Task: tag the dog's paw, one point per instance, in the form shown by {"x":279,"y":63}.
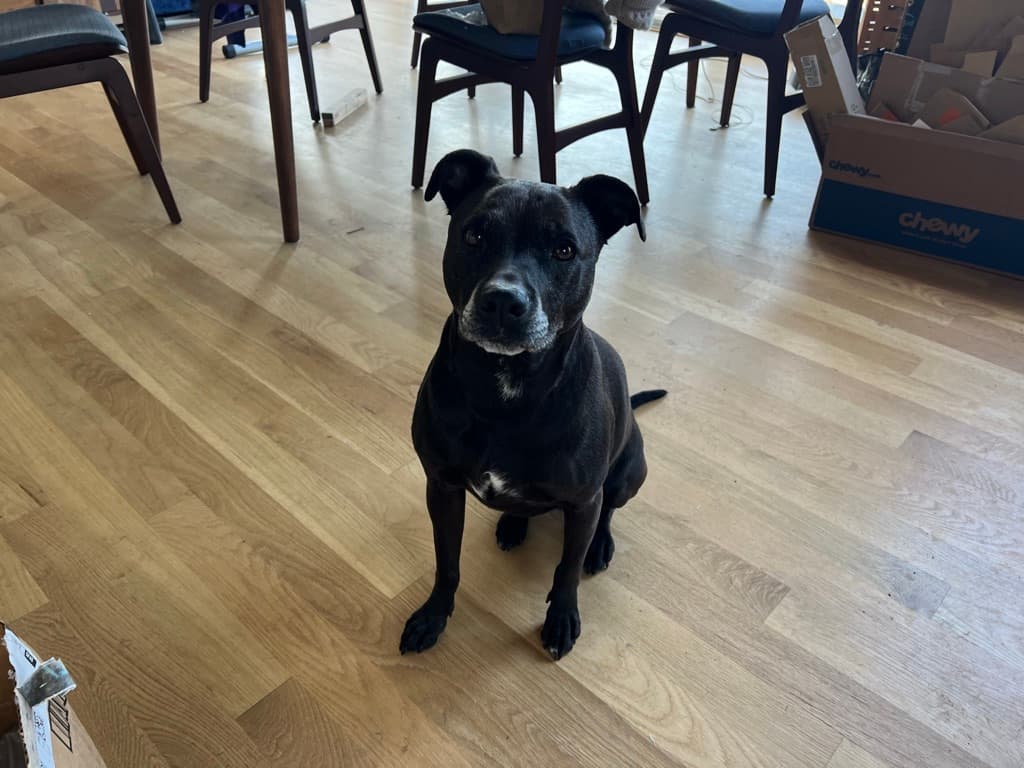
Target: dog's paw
{"x":560,"y":630}
{"x":601,"y":551}
{"x":422,"y":630}
{"x":511,"y":531}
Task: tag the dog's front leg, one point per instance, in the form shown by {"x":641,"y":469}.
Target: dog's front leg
{"x":562,"y":625}
{"x":447,"y":507}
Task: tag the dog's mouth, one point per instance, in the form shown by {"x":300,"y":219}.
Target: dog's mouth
{"x":535,"y":334}
{"x":502,"y":343}
{"x":497,"y":348}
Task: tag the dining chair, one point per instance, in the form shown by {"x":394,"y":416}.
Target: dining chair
{"x":527,"y":63}
{"x":306,"y":36}
{"x":733,"y":28}
{"x":46,"y":47}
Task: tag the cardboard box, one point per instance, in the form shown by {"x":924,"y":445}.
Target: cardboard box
{"x":34,"y":702}
{"x":976,"y":35}
{"x":950,"y":111}
{"x":936,"y":193}
{"x":929,"y":27}
{"x":1011,"y":131}
{"x":906,"y":85}
{"x":970,"y":20}
{"x":13,"y":5}
{"x":826,"y":77}
{"x":1012,"y":67}
{"x":981,"y":62}
{"x":514,"y":17}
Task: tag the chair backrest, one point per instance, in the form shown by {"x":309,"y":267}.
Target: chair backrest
{"x":850,"y":24}
{"x":550,"y":31}
{"x":790,"y":16}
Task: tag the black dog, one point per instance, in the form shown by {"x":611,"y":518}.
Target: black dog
{"x":522,"y":404}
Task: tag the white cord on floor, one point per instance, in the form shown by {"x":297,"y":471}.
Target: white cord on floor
{"x":746,"y":113}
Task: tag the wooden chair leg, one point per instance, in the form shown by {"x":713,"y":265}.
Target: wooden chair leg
{"x":424,"y":105}
{"x":665,"y":38}
{"x":206,"y":11}
{"x":417,"y":38}
{"x":275,"y":62}
{"x":625,"y":76}
{"x":471,"y":92}
{"x":558,"y":75}
{"x":692,"y":73}
{"x":136,"y":31}
{"x":305,"y":45}
{"x":116,"y":82}
{"x":129,"y":137}
{"x":543,"y":98}
{"x":368,"y":49}
{"x":777,"y":71}
{"x":518,"y":99}
{"x":731,"y":78}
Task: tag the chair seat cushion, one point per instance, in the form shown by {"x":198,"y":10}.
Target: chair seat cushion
{"x":84,"y":33}
{"x":468,"y":24}
{"x":755,"y":17}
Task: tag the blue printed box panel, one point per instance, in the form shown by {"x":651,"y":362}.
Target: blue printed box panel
{"x":981,"y":239}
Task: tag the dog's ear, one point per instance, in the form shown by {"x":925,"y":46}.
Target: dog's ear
{"x":458,"y":174}
{"x":612,"y":204}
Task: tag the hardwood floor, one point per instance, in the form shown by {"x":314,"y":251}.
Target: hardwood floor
{"x":211,"y":509}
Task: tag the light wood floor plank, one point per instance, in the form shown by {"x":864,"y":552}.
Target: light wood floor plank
{"x":850,"y":756}
{"x":255,"y":584}
{"x":156,"y":342}
{"x":114,"y":725}
{"x":910,"y":668}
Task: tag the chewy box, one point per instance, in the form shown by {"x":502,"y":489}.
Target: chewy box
{"x":942,"y":194}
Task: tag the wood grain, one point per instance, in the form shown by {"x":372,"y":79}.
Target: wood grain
{"x":850,"y":756}
{"x":983,"y":712}
{"x":291,"y":726}
{"x":211,"y":509}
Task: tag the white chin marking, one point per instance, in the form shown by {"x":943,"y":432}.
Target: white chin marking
{"x":499,"y":349}
{"x":507,"y":388}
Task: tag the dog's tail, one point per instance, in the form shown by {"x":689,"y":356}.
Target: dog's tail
{"x":647,"y":396}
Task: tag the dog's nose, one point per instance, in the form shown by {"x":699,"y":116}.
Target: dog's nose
{"x":504,"y":303}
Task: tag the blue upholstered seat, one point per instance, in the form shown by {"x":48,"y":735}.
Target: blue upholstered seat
{"x":47,"y":29}
{"x":580,"y":32}
{"x":755,"y":17}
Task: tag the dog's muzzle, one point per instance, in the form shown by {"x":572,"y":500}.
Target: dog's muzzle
{"x":503,"y":318}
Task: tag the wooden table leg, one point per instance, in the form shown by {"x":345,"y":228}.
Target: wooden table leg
{"x":275,"y":60}
{"x":136,"y":31}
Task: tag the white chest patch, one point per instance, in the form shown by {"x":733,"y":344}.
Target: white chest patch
{"x":492,"y":484}
{"x":508,"y":387}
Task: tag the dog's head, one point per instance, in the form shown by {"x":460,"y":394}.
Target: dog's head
{"x":520,"y":259}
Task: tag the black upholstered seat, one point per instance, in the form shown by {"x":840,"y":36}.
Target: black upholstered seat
{"x":755,"y":17}
{"x":45,"y":35}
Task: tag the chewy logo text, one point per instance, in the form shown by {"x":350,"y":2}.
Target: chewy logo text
{"x":859,"y":170}
{"x":962,"y":232}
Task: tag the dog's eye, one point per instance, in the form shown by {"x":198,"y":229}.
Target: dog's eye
{"x":471,"y":238}
{"x":565,"y":251}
